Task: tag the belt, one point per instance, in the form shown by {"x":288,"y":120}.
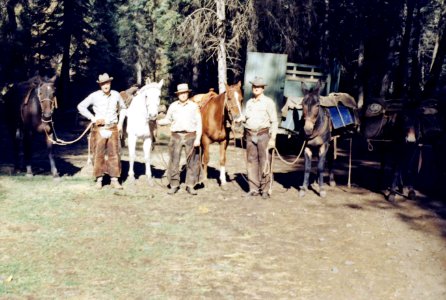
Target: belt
{"x":258,"y":131}
{"x":107,"y":126}
{"x":183,"y":133}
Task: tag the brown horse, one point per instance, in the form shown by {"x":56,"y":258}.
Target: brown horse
{"x":29,"y":107}
{"x":215,"y":113}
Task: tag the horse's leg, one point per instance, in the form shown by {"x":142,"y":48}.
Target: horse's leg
{"x":382,"y":167}
{"x":397,"y":164}
{"x":304,"y":188}
{"x":205,"y":142}
{"x":411,"y":167}
{"x":16,"y":136}
{"x":49,"y":147}
{"x":223,"y":147}
{"x":131,"y":140}
{"x":396,"y":181}
{"x":147,"y":147}
{"x":27,"y":137}
{"x":320,"y":168}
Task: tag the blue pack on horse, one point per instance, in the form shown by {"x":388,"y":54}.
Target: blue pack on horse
{"x":29,"y":108}
{"x":216,"y":112}
{"x":141,"y":116}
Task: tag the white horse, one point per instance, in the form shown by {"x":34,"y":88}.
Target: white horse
{"x":142,"y":109}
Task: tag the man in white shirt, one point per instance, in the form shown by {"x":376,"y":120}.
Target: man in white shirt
{"x":105,"y":131}
{"x":185,"y":124}
{"x":260,"y":131}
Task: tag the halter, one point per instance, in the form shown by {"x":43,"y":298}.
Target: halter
{"x":147,"y":103}
{"x":229,"y":106}
{"x":53,"y":103}
{"x":318,"y":118}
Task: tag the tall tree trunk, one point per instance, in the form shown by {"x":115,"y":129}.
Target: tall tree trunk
{"x":415,"y":74}
{"x":11,"y":26}
{"x":138,"y":69}
{"x":438,"y":57}
{"x":221,"y":59}
{"x":66,"y":44}
{"x":253,"y":26}
{"x":361,"y":72}
{"x":402,"y":69}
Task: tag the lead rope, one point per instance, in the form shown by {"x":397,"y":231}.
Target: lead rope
{"x":60,"y":142}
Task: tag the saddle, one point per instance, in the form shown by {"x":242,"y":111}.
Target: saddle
{"x":202,"y":99}
{"x":380,"y":106}
{"x":380,"y":116}
{"x":128,"y":95}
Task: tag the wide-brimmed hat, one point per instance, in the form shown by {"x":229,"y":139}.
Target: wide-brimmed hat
{"x":103,"y":78}
{"x":183,"y":88}
{"x":258,"y":81}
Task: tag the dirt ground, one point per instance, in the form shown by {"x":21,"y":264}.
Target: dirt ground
{"x":141,"y":243}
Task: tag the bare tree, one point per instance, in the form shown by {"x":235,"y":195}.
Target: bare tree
{"x":213,"y":35}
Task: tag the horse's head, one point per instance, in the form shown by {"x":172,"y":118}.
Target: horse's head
{"x":234,"y":100}
{"x":46,"y":93}
{"x":151,"y":93}
{"x":310,"y":107}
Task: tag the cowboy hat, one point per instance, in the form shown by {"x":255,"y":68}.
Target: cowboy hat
{"x":258,"y":81}
{"x":103,"y":78}
{"x":183,"y":88}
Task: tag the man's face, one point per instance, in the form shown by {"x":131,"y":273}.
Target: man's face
{"x":257,"y":90}
{"x":183,"y":96}
{"x":105,"y":87}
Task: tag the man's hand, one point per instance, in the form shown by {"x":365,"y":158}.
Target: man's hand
{"x":197,"y":143}
{"x":271,"y":144}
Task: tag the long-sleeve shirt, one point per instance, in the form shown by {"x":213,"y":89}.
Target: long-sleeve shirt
{"x":104,"y":107}
{"x":261,"y":113}
{"x":183,"y":117}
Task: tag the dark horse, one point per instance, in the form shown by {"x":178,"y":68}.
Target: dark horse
{"x":29,"y":109}
{"x":317,"y":132}
{"x":215,"y":113}
{"x":391,"y":127}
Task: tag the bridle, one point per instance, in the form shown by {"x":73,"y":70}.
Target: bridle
{"x":148,"y":102}
{"x":53,"y":103}
{"x":229,"y":105}
{"x":317,"y":118}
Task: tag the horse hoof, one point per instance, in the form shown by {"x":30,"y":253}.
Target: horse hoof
{"x":333,"y":183}
{"x":29,"y":175}
{"x":323,"y":194}
{"x":150,"y":182}
{"x":224,"y":187}
{"x":391,"y":197}
{"x":131,"y":179}
{"x":412,"y":195}
{"x":302,"y":194}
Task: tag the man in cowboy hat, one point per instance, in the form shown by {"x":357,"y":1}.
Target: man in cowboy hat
{"x":105,"y":132}
{"x":184,"y":118}
{"x":260,"y":131}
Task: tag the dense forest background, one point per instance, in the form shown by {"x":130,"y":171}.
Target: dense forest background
{"x":387,"y":48}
